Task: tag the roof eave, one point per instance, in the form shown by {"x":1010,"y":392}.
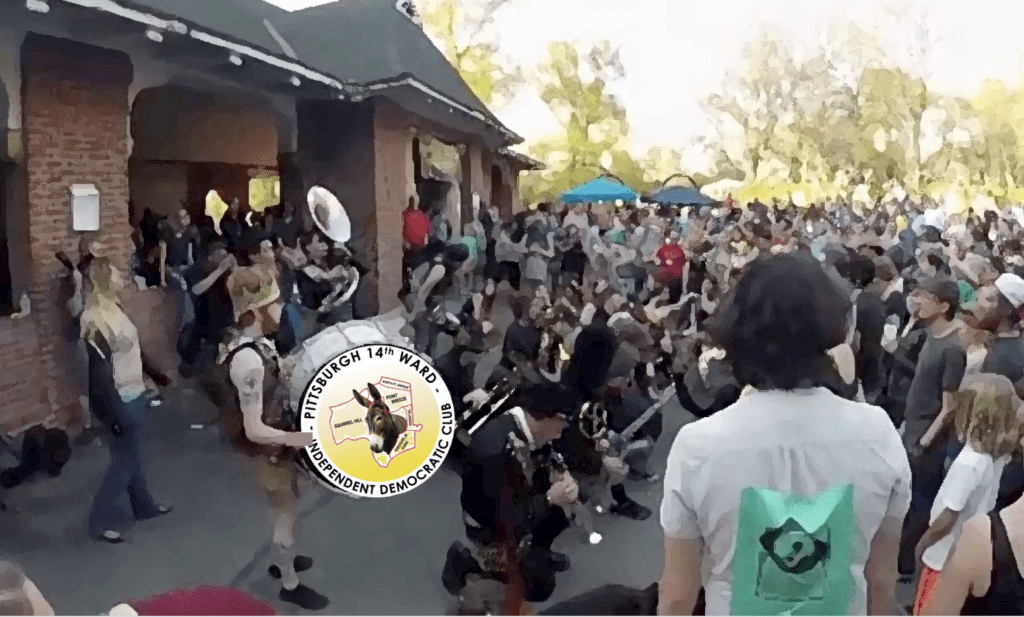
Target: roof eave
{"x":162,"y":21}
{"x":129,"y":10}
{"x":407,"y":80}
{"x":521,"y":161}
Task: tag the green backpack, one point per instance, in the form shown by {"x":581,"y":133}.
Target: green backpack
{"x":793,"y":553}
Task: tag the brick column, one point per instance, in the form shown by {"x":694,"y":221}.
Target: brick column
{"x":335,"y":150}
{"x":395,"y":182}
{"x":517,"y":198}
{"x":75,"y":101}
{"x":474,"y":180}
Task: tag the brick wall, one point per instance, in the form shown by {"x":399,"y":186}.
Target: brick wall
{"x":75,"y":102}
{"x":394,"y":184}
{"x":336,"y":151}
{"x":25,"y":398}
{"x":173,"y":123}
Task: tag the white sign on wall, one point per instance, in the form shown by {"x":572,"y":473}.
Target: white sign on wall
{"x":85,"y":207}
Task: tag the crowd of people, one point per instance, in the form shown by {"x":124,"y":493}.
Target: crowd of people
{"x":900,"y":326}
{"x":870,"y":358}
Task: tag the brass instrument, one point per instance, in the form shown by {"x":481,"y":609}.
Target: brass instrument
{"x":581,"y":514}
{"x":330,"y":217}
{"x":474,"y":418}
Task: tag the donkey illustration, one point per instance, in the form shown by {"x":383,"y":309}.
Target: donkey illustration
{"x":385,"y":428}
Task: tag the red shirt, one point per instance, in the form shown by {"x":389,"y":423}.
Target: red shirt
{"x":672,"y":258}
{"x":207,"y":600}
{"x":415,"y":227}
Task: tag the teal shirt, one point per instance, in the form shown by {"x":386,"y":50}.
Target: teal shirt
{"x":472,"y":244}
{"x":967,"y":293}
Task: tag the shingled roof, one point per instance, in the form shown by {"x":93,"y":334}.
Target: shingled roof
{"x":357,"y":42}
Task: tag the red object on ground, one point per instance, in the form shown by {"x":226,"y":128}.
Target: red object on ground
{"x":930,"y":580}
{"x":673,"y":258}
{"x":207,"y":600}
{"x":415,"y":227}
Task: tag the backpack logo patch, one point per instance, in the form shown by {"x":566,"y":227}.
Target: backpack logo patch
{"x":793,"y":553}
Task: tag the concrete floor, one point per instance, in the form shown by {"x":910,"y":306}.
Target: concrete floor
{"x":379,"y":556}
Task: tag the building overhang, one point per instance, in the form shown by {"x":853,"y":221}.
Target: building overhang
{"x":400,"y":88}
{"x":403,"y":89}
{"x":520,"y":162}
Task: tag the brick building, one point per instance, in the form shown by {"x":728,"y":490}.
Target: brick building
{"x":157,"y":101}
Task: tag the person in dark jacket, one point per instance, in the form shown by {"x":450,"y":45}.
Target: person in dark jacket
{"x":508,"y":495}
{"x":523,"y":336}
{"x":871,"y":314}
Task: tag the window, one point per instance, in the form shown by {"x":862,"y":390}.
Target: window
{"x":264,"y":192}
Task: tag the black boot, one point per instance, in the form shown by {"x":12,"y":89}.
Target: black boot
{"x":559,"y":561}
{"x":305,"y":598}
{"x":459,"y":564}
{"x":624,"y":506}
{"x":301,"y":564}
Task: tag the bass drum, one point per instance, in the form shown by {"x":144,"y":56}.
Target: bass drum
{"x":323,"y":347}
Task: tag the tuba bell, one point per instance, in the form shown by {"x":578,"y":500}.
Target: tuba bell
{"x":332,"y":219}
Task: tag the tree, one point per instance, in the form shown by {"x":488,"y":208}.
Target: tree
{"x":573,"y":81}
{"x":756,"y":100}
{"x":464,"y":31}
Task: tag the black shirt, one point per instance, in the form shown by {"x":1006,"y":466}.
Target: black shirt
{"x":522,"y":339}
{"x":214,"y":311}
{"x":575,"y":260}
{"x":233,"y":230}
{"x":496,"y":493}
{"x":940,"y":369}
{"x":287,"y":232}
{"x":871,"y":316}
{"x":1006,"y":357}
{"x":1005,"y":595}
{"x":312,"y":293}
{"x":178,"y":246}
{"x":457,"y":376}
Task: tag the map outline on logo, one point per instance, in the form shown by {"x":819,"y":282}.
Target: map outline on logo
{"x":412,"y":428}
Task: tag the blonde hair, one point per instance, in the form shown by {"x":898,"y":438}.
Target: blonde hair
{"x":100,"y":278}
{"x":985,"y":415}
{"x":13,"y":598}
{"x":247,"y":287}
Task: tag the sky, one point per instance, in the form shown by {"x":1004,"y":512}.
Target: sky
{"x":675,"y":52}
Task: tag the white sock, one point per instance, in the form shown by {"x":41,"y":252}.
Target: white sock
{"x":285,"y":558}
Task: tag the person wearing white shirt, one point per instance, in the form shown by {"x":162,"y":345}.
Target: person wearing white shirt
{"x":989,"y":426}
{"x":791,"y":435}
{"x":577,"y":217}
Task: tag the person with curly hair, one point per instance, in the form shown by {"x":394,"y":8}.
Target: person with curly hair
{"x":789,"y":433}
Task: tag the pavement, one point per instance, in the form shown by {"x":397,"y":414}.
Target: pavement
{"x":378,"y":556}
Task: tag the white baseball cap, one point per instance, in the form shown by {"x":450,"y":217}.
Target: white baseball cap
{"x":1012,"y":288}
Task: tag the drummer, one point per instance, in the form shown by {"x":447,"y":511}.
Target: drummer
{"x":250,"y":390}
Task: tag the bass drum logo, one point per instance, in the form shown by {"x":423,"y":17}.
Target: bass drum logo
{"x":382,"y":421}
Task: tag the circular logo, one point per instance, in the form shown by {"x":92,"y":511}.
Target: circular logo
{"x":382,"y":421}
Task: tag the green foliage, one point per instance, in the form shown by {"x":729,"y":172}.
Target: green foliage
{"x":849,"y":114}
{"x":463,"y":30}
{"x":573,"y":81}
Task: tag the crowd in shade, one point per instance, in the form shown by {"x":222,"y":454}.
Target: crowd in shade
{"x":856,"y":375}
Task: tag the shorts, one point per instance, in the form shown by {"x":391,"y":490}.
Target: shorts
{"x":280,"y":481}
{"x":930,"y":580}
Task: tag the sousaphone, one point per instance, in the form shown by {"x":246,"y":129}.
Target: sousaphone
{"x":330,"y":216}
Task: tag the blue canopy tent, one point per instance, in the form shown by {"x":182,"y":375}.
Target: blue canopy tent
{"x":679,"y":195}
{"x":599,"y":189}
